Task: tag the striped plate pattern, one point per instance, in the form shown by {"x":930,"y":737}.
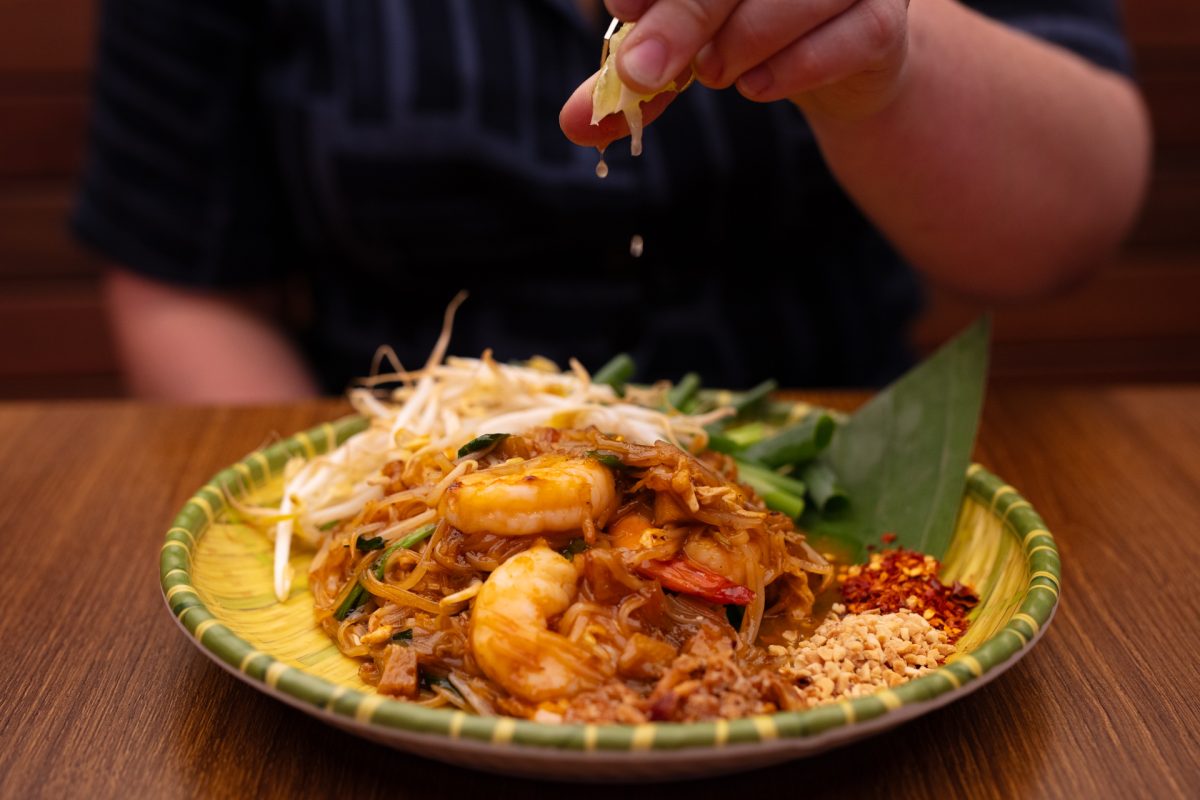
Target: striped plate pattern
{"x":216,"y":579}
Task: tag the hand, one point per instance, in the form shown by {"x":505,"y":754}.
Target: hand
{"x":840,"y":58}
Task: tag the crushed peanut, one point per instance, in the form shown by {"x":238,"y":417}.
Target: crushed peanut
{"x":858,"y":654}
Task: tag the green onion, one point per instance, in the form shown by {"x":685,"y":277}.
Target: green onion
{"x":616,"y":373}
{"x":776,"y":499}
{"x":795,"y":443}
{"x":721,"y":436}
{"x":751,"y":397}
{"x":358,"y":594}
{"x":417,"y":536}
{"x":353,"y":599}
{"x":429,"y":680}
{"x":748,"y":434}
{"x":823,"y":488}
{"x":681,"y":394}
{"x":780,"y":482}
{"x":779,"y":492}
{"x":367,"y":544}
{"x":483,"y":443}
{"x":721,"y":443}
{"x":609,"y":460}
{"x":403,"y":636}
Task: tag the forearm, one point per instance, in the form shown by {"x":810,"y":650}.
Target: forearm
{"x":1002,"y":166}
{"x":178,"y":344}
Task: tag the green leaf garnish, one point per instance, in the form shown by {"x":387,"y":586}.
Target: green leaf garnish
{"x":369,"y":543}
{"x":902,"y":458}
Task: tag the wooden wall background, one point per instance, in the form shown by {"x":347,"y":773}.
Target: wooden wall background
{"x":1138,"y":320}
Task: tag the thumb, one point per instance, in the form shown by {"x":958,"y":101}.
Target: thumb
{"x":575,"y":119}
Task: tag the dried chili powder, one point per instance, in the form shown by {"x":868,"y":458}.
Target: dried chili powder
{"x":898,"y":579}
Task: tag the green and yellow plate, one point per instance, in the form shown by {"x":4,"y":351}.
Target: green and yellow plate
{"x":216,"y":579}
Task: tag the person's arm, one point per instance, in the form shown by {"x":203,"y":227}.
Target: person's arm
{"x":202,"y":346}
{"x":999,"y":165}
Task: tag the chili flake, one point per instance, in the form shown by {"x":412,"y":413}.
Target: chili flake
{"x":898,"y":579}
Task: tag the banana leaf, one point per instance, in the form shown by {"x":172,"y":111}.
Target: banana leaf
{"x":901,"y":459}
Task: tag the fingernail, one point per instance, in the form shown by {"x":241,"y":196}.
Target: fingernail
{"x":708,"y":63}
{"x":646,"y":63}
{"x":756,"y":81}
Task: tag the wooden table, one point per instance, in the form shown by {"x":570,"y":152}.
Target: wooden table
{"x":102,"y":696}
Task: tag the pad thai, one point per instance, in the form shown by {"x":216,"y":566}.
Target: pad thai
{"x":520,"y":540}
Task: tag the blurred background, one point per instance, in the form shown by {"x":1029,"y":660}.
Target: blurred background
{"x":1137,"y":320}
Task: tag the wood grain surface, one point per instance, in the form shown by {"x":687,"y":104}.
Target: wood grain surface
{"x":101,"y":695}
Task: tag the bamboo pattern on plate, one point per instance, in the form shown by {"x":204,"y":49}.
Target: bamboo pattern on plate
{"x":216,"y":580}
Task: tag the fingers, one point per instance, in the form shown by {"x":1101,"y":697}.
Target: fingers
{"x":871,"y":36}
{"x":668,"y":35}
{"x":575,"y":119}
{"x":757,"y":30}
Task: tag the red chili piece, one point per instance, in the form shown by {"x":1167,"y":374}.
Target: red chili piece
{"x":686,"y":576}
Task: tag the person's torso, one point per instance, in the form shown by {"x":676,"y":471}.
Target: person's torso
{"x":421,"y":146}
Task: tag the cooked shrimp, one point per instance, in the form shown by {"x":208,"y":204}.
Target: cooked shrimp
{"x":705,"y":549}
{"x":510,"y":634}
{"x":547,"y":494}
{"x":705,"y":568}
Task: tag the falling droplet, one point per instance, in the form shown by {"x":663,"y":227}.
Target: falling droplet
{"x":602,"y":165}
{"x":636,"y":246}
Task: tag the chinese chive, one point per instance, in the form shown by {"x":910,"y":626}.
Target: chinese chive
{"x":481,"y":444}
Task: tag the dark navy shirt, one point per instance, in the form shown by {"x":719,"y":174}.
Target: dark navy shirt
{"x":383,"y":154}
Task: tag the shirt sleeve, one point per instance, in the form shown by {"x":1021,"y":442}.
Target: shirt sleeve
{"x":1092,"y":29}
{"x":178,"y":183}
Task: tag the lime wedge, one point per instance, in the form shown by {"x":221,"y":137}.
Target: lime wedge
{"x":611,"y":96}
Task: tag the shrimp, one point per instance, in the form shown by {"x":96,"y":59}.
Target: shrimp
{"x":510,"y":635}
{"x":723,"y":559}
{"x":703,"y":568}
{"x":546,"y":494}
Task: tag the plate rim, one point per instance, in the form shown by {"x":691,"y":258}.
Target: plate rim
{"x":374,"y":714}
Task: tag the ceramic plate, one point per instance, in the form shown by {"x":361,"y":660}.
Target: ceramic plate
{"x":216,"y":579}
